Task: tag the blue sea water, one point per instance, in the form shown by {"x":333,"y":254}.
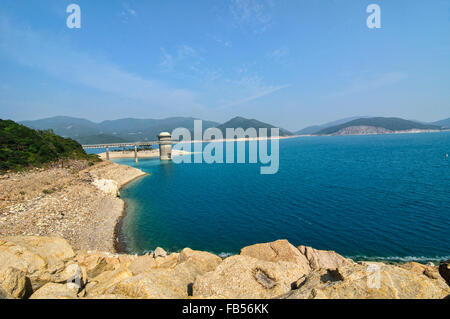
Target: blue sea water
{"x":376,"y":197}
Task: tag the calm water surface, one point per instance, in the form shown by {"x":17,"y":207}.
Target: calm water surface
{"x":379,"y":196}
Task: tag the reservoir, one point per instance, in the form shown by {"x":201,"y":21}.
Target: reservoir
{"x":381,"y":197}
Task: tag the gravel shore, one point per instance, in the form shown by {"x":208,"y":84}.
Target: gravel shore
{"x":64,"y":202}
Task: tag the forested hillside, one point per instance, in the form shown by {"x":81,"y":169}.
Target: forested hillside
{"x":22,"y":147}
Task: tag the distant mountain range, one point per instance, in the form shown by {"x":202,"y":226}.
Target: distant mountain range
{"x":122,"y":130}
{"x":132,"y":130}
{"x":100,"y":139}
{"x":138,"y":130}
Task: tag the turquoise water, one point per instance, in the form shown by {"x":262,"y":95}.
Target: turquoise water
{"x":379,"y":197}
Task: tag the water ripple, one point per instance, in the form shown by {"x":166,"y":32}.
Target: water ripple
{"x":374,"y":197}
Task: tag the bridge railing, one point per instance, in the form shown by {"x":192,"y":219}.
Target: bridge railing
{"x":111,"y":145}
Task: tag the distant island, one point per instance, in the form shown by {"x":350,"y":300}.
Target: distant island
{"x":316,"y":128}
{"x":444,"y":123}
{"x":377,"y":125}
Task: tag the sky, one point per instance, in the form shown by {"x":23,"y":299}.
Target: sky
{"x":291,"y":63}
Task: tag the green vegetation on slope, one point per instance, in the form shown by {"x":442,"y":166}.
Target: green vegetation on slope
{"x":22,"y":147}
{"x":390,"y":123}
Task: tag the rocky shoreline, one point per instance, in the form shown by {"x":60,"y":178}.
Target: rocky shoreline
{"x":48,"y":268}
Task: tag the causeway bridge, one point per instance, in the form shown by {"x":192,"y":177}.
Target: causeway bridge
{"x":120,"y":145}
{"x":165,"y":146}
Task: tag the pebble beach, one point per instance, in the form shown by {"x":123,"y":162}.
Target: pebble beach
{"x":67,"y":202}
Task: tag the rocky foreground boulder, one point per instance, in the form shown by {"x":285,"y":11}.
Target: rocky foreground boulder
{"x":367,"y":280}
{"x":4,"y":294}
{"x":444,"y":270}
{"x":247,"y":277}
{"x":28,"y":263}
{"x":47,"y":267}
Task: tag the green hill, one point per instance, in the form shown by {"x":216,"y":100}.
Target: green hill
{"x":22,"y":147}
{"x":240,"y":122}
{"x":389,"y":123}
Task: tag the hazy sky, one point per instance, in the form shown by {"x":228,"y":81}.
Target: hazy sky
{"x":291,"y":63}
